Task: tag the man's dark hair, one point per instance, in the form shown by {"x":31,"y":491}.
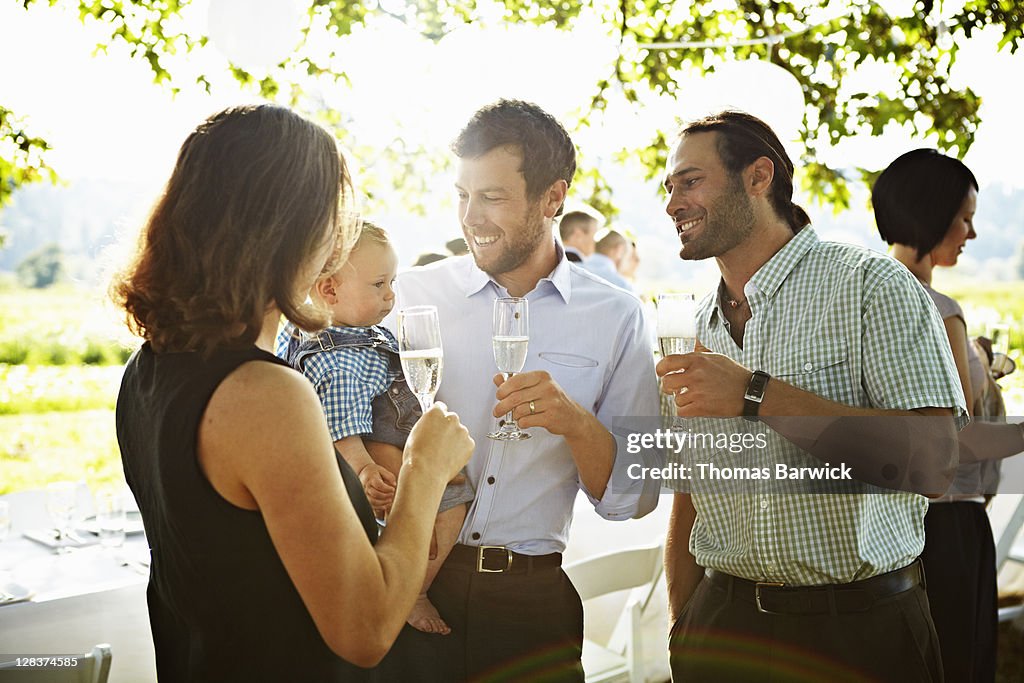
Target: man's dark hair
{"x":546,"y":149}
{"x":569,"y":222}
{"x":742,"y":139}
{"x":916,"y":197}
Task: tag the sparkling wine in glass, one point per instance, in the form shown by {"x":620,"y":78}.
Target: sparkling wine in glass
{"x":419,"y":348}
{"x":677,"y":323}
{"x":677,"y":329}
{"x":510,"y":338}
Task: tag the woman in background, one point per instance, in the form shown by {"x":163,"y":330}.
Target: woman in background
{"x":924,"y":206}
{"x":265,"y":558}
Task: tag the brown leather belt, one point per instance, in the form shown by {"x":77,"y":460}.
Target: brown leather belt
{"x":857,"y":596}
{"x":496,"y":559}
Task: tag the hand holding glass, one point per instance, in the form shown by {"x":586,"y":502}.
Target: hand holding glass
{"x":510,"y":337}
{"x":419,"y":348}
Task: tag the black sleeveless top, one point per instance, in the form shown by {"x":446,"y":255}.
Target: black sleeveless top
{"x":221,"y":605}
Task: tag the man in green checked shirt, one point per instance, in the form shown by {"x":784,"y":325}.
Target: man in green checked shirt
{"x":812,"y":337}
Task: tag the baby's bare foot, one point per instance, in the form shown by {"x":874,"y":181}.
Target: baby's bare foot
{"x":424,"y":617}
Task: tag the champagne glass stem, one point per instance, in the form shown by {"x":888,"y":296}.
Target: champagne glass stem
{"x":510,"y":420}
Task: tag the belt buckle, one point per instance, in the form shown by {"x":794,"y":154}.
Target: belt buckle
{"x":481,"y":551}
{"x":324,"y":347}
{"x":757,"y":593}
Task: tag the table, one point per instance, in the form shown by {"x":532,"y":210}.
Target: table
{"x":82,"y":598}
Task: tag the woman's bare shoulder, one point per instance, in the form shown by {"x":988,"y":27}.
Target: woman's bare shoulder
{"x":263,"y":408}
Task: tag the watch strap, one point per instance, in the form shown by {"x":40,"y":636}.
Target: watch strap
{"x":755,"y":393}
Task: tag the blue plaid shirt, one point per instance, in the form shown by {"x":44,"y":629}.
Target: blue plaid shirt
{"x":346,"y":379}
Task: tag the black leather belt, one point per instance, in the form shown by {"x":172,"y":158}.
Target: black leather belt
{"x":496,"y":559}
{"x":857,"y":596}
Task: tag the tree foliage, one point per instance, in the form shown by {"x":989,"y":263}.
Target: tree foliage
{"x":21,"y":157}
{"x":819,"y":42}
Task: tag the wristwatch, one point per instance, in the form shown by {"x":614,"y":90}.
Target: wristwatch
{"x":754,"y":394}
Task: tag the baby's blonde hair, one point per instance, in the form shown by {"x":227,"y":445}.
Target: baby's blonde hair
{"x":368,"y":233}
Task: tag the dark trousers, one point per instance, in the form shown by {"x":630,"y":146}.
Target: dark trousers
{"x":960,"y":564}
{"x":720,"y":637}
{"x":505,"y":627}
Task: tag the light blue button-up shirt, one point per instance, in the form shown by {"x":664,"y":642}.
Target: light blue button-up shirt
{"x":592,"y":339}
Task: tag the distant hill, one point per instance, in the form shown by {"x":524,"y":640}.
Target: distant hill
{"x":84,"y":218}
{"x":88,"y":218}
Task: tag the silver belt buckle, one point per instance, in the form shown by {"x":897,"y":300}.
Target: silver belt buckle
{"x":480,"y":559}
{"x":757,"y":593}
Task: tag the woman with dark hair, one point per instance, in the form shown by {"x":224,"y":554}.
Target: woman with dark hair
{"x":924,"y":206}
{"x":265,"y":558}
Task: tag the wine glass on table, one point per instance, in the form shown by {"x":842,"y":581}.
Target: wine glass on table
{"x":60,"y":504}
{"x":677,"y":330}
{"x":5,"y":520}
{"x":510,"y":338}
{"x":419,"y":349}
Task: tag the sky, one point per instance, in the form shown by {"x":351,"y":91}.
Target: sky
{"x":106,"y":119}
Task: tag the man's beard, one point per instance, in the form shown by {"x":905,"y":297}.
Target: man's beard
{"x":516,"y":251}
{"x":729,"y":221}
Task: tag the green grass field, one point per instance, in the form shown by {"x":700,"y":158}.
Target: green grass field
{"x":57,"y":396}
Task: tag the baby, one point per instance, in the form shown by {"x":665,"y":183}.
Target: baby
{"x":370,"y":410}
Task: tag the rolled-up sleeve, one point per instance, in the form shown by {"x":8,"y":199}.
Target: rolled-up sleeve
{"x":630,"y":398}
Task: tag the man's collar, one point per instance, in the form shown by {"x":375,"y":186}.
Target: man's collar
{"x":475,"y":280}
{"x":770,"y":276}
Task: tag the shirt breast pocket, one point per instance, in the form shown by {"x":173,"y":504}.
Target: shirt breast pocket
{"x":822,"y":369}
{"x":579,"y":376}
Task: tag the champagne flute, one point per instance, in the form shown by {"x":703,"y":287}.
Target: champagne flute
{"x":60,"y":504}
{"x":419,"y":348}
{"x":677,"y":330}
{"x":510,"y":338}
{"x":999,"y":333}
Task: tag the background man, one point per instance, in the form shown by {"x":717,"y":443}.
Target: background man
{"x":514,"y":614}
{"x":610,"y":255}
{"x":800,"y":583}
{"x":577,"y":230}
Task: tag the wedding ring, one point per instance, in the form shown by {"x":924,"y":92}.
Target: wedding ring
{"x":532,"y":408}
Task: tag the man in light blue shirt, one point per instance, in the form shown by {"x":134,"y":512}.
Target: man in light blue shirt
{"x":512,"y":610}
{"x":608,"y":256}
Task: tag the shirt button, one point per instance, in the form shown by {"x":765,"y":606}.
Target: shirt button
{"x":490,"y":480}
{"x":770,"y":568}
{"x":809,"y":366}
{"x":475,"y":536}
{"x":764,"y":503}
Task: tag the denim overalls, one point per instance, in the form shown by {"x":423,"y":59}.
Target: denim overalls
{"x":396,"y":410}
{"x":393,"y":412}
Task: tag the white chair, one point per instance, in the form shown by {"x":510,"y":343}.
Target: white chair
{"x":92,"y":667}
{"x":621,"y":658}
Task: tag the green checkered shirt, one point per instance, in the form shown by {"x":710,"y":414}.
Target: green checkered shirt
{"x":852,"y":326}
